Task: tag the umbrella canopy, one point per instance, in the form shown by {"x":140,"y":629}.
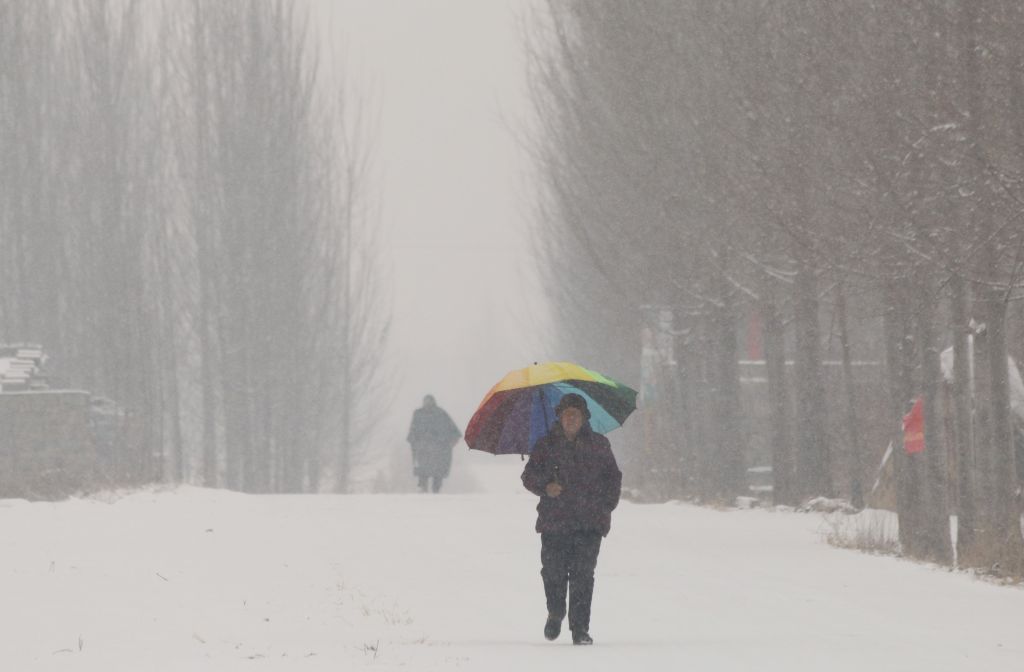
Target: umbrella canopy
{"x":521,"y":408}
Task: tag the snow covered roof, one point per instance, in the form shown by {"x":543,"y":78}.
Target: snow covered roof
{"x":21,"y":368}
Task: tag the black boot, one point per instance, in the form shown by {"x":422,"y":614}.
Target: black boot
{"x":553,"y":627}
{"x":581,"y":638}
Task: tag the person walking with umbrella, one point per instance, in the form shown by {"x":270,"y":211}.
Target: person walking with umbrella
{"x":573,"y":471}
{"x":432,"y":435}
{"x":571,"y":468}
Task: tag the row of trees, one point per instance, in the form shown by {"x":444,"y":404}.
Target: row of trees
{"x":183,"y":210}
{"x":795,"y":165}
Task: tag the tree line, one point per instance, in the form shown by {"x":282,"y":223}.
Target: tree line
{"x":846,"y":181}
{"x":185,"y":227}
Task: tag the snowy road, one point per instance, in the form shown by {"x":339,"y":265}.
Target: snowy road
{"x":201,"y":580}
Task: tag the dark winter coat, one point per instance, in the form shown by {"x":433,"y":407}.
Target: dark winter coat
{"x":590,"y":479}
{"x":432,"y":436}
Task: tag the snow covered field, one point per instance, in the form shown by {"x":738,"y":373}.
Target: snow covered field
{"x":191,"y":579}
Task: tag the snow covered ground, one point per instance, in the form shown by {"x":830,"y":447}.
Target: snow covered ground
{"x":190,"y":579}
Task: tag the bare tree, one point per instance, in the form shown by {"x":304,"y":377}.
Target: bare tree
{"x":184,"y":224}
{"x":786,"y":161}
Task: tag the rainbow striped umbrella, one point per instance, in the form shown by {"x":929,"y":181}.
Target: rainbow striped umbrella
{"x":521,"y":408}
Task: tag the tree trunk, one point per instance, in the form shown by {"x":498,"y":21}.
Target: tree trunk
{"x":963,"y":420}
{"x":937,"y":545}
{"x":813,"y":458}
{"x":900,"y":402}
{"x":854,"y":463}
{"x":995,"y":542}
{"x":784,"y":489}
{"x":1007,"y":540}
{"x":706,"y":432}
{"x":732,"y":480}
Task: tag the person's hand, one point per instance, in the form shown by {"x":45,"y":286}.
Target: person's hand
{"x":553,"y":489}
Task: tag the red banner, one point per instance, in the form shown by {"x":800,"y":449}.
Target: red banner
{"x":913,"y":429}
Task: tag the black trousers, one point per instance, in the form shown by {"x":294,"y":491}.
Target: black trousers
{"x":567,"y":565}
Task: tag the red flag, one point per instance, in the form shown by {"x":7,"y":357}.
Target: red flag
{"x":913,"y":429}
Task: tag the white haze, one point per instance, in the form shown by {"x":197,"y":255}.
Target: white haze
{"x":447,"y":81}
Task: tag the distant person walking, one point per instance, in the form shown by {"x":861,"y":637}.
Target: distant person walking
{"x":432,"y":436}
{"x":573,"y":471}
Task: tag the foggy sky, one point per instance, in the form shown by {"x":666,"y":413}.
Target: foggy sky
{"x":447,"y":78}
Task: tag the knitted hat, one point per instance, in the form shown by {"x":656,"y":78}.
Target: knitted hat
{"x":573,"y":400}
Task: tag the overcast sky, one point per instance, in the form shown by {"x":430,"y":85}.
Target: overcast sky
{"x":447,"y":79}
